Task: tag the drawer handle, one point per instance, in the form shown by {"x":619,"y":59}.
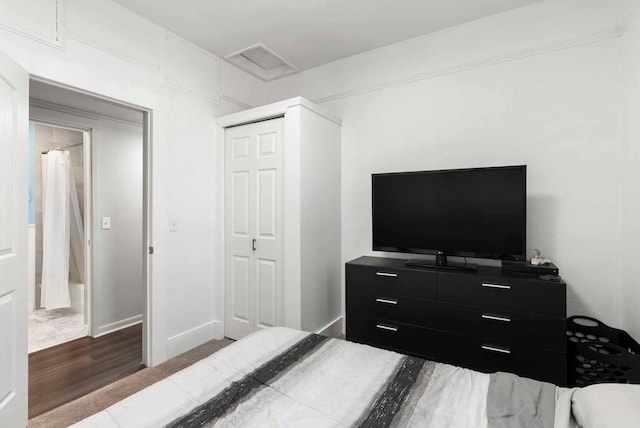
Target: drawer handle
{"x":496,"y":349}
{"x":496,"y":318}
{"x":386,"y":327}
{"x":489,"y":285}
{"x":389,"y":274}
{"x":387,"y":301}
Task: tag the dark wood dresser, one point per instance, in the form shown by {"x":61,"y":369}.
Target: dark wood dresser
{"x":485,"y":320}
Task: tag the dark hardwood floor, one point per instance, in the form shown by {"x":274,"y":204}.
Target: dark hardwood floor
{"x":65,"y":372}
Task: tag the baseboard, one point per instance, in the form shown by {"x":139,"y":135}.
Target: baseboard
{"x":118,"y":325}
{"x":218,"y":330}
{"x":333,"y":329}
{"x":189,"y":339}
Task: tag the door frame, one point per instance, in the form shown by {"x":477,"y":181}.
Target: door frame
{"x":88,"y":205}
{"x":153,"y":351}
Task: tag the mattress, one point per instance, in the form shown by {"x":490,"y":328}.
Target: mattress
{"x":289,"y":378}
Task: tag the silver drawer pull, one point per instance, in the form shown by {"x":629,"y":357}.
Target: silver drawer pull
{"x":489,"y":285}
{"x":386,"y":327}
{"x":389,"y":274}
{"x":388,"y":301}
{"x":496,"y":318}
{"x":496,"y":349}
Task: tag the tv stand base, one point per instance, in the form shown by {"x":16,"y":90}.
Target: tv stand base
{"x":431,"y":264}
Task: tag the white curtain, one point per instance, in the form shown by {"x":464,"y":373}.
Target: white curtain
{"x":56,"y":182}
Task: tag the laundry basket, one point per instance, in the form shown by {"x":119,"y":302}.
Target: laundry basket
{"x":598,"y":353}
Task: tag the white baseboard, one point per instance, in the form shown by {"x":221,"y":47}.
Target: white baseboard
{"x":189,"y":339}
{"x":118,"y":325}
{"x":333,"y":329}
{"x":218,"y":330}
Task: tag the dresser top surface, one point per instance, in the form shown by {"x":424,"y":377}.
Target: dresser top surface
{"x":394,"y":263}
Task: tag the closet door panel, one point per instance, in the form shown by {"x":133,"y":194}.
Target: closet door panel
{"x":267,"y":203}
{"x":268,"y":144}
{"x":240,"y":204}
{"x":266,"y":286}
{"x":240,"y":147}
{"x":240,"y":316}
{"x":269,"y":136}
{"x":240,"y":279}
{"x":253,"y":223}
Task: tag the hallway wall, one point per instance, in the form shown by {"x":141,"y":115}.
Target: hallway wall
{"x":118,"y":287}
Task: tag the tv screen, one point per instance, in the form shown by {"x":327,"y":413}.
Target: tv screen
{"x":479,"y":212}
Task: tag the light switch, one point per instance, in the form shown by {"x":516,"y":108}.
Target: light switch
{"x":173,"y":225}
{"x":106,"y":223}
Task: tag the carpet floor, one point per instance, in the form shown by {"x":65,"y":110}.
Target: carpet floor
{"x":99,"y":400}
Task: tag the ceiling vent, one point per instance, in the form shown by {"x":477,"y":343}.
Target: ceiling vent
{"x":262,"y":62}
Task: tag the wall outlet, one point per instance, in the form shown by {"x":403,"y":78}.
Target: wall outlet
{"x":173,"y":225}
{"x":106,"y":223}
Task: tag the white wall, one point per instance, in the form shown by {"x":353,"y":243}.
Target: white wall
{"x":191,"y":191}
{"x":538,"y":86}
{"x":118,"y":288}
{"x":630,"y":78}
{"x":100,"y":47}
{"x":320,"y":290}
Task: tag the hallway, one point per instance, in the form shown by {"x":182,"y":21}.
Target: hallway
{"x":65,"y":372}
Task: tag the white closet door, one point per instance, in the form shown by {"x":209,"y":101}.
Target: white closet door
{"x":253,"y":223}
{"x":14,"y":125}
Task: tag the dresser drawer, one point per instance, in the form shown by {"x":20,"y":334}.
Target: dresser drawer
{"x":503,"y":294}
{"x":394,"y":336}
{"x":491,"y":356}
{"x":408,"y":310}
{"x":381,"y":281}
{"x":504,"y":326}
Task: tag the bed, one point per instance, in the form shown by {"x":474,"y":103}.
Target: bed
{"x":285,"y":377}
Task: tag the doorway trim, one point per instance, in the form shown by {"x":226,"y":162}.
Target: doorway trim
{"x":153,"y":333}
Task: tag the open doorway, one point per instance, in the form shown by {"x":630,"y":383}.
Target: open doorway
{"x":105,"y":286}
{"x":57,"y":234}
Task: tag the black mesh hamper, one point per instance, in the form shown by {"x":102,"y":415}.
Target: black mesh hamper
{"x":598,"y":353}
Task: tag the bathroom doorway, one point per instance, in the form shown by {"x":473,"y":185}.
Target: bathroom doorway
{"x":113,"y":142}
{"x":59,"y":184}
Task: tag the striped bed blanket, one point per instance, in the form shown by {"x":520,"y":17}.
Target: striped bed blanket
{"x":284,"y":377}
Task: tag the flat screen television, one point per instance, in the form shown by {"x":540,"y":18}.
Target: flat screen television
{"x":477,"y":212}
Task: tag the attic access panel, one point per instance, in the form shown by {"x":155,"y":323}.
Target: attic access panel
{"x":262,"y":62}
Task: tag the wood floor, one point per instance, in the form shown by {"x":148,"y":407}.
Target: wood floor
{"x":65,"y":372}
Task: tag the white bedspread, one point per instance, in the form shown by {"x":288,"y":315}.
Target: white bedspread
{"x":333,"y":385}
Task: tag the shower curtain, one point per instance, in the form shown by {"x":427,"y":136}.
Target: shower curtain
{"x":56,"y":186}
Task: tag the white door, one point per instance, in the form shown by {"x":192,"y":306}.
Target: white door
{"x":14,"y":127}
{"x":253,"y":224}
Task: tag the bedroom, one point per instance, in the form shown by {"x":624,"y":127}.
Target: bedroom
{"x":552,"y":84}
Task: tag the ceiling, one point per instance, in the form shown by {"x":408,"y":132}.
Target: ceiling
{"x":309,"y":33}
{"x":50,"y":94}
